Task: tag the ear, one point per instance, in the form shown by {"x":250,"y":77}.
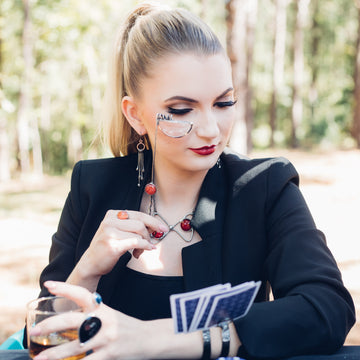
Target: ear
{"x":130,"y":111}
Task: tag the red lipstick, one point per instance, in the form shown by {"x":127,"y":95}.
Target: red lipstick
{"x":205,"y":150}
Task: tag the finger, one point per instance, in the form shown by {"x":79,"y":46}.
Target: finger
{"x":133,"y":226}
{"x":137,"y":252}
{"x":66,"y":350}
{"x":69,"y":320}
{"x":123,"y":245}
{"x":117,"y":241}
{"x":98,"y":355}
{"x":149,"y":221}
{"x":137,"y":227}
{"x":83,"y":297}
{"x":119,"y":234}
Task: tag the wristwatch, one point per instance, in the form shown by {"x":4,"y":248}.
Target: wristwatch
{"x":225,"y":334}
{"x":207,"y":345}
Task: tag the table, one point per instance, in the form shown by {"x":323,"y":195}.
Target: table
{"x":345,"y":353}
{"x":14,"y":355}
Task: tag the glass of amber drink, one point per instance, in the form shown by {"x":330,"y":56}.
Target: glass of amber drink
{"x":41,"y":309}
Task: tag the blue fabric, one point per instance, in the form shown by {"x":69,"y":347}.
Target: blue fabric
{"x":14,"y":342}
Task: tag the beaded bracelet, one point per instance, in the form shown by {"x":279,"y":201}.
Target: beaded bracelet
{"x":207,"y":344}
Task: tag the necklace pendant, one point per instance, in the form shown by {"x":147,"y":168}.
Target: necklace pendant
{"x":157,"y":234}
{"x":186,"y":224}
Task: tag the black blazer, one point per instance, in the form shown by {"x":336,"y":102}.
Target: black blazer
{"x":254,"y":225}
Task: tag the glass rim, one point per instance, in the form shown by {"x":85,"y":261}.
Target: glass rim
{"x":37,"y":301}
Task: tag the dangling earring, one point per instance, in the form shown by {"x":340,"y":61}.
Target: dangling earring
{"x":218,"y":163}
{"x":140,"y":164}
{"x":150,"y":188}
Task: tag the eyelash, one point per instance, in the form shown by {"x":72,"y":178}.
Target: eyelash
{"x":223,"y":104}
{"x":220,"y":104}
{"x":178,"y":111}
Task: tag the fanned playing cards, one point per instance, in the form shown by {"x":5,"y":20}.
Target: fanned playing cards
{"x":207,"y":307}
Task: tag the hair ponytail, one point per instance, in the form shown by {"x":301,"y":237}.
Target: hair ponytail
{"x":148,"y":33}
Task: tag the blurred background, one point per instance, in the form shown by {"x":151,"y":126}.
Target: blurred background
{"x":296,"y":70}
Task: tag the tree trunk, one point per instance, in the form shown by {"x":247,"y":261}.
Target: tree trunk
{"x":27,"y":127}
{"x":297,"y":104}
{"x":4,"y":141}
{"x":36,"y":145}
{"x":4,"y":150}
{"x":278,"y":61}
{"x":250,"y":36}
{"x":356,"y":118}
{"x":23,"y":123}
{"x":75,"y":145}
{"x":240,"y":21}
{"x":93,"y":74}
{"x":314,"y":63}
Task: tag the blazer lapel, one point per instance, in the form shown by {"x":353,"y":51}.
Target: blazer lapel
{"x":202,"y":261}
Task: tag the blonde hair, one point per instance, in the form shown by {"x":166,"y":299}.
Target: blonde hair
{"x":148,"y":33}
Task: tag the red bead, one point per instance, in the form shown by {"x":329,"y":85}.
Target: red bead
{"x":157,"y":234}
{"x":150,"y":188}
{"x":186,"y":225}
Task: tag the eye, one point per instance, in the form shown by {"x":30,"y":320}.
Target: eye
{"x":223,"y":104}
{"x":178,"y":111}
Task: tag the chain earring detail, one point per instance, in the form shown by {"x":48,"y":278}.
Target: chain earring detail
{"x":150,"y":188}
{"x":140,"y":164}
{"x":182,"y":227}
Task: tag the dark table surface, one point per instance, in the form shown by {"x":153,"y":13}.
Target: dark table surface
{"x":345,"y":353}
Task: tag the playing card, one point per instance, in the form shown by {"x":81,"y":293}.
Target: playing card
{"x":188,"y":307}
{"x":203,"y":311}
{"x":184,"y":305}
{"x":203,"y":308}
{"x":176,"y":312}
{"x":232,"y":304}
{"x":192,"y":303}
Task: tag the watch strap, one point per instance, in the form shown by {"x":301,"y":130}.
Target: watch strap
{"x":207,"y":344}
{"x":225,"y":335}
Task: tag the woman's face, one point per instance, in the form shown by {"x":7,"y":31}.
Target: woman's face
{"x":197,"y":89}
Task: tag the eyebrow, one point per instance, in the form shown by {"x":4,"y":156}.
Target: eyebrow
{"x":184,"y":98}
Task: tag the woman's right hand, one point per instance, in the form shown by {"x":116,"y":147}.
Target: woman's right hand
{"x":112,"y":239}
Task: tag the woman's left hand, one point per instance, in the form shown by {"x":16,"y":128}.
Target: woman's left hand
{"x":117,"y":338}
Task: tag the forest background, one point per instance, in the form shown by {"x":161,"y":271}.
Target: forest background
{"x":296,"y":66}
{"x":296,"y":71}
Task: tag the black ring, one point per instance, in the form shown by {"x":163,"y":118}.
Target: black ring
{"x":88,"y":329}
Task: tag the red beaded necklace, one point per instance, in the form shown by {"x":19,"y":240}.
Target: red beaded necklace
{"x":185,"y":225}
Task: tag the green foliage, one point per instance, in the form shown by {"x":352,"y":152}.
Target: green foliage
{"x":70,"y":46}
{"x":329,"y":117}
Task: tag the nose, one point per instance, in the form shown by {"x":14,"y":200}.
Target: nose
{"x":207,"y":125}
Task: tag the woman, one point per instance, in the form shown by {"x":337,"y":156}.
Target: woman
{"x":248,"y":219}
